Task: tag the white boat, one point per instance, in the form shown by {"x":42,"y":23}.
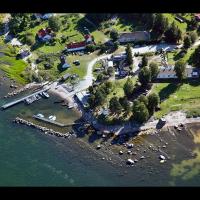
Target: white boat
{"x":40,"y":115}
{"x":52,"y":117}
{"x":45,"y":94}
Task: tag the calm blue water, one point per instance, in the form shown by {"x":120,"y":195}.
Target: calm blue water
{"x":30,"y":158}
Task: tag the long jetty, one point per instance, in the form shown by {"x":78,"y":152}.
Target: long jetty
{"x":53,"y":122}
{"x":5,"y":106}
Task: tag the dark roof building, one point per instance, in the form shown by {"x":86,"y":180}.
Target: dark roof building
{"x":169,"y":72}
{"x":136,"y":36}
{"x":197,"y":16}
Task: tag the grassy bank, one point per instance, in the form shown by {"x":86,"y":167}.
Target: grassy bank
{"x":176,"y":97}
{"x":10,"y":65}
{"x":118,"y":90}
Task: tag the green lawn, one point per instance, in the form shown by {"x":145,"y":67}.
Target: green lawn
{"x":118,"y":88}
{"x":178,"y":97}
{"x":175,"y":55}
{"x":171,"y":18}
{"x":121,"y":26}
{"x":13,"y":68}
{"x":10,"y":65}
{"x":80,"y":69}
{"x":73,"y":27}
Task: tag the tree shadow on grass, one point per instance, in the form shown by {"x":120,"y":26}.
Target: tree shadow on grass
{"x":179,"y":55}
{"x":168,"y":90}
{"x":194,"y":82}
{"x":37,"y":45}
{"x":83,"y":23}
{"x":93,"y":137}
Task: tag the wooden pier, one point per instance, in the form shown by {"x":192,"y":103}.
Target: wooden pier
{"x":53,"y":122}
{"x":5,"y":106}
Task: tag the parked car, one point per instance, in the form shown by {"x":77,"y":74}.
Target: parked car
{"x":76,"y":62}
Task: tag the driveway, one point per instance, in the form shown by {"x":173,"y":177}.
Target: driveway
{"x":154,"y":48}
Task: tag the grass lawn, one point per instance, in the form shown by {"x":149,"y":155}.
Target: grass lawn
{"x":80,"y":69}
{"x":118,"y":88}
{"x":13,"y":68}
{"x":73,"y":27}
{"x":10,"y":65}
{"x":121,"y":26}
{"x":174,"y":56}
{"x":171,"y":18}
{"x":178,"y":97}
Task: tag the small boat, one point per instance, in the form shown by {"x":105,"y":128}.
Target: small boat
{"x":52,"y":117}
{"x":40,"y":115}
{"x":45,"y":94}
{"x":37,"y":97}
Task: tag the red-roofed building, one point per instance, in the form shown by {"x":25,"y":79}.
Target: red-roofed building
{"x":88,"y":38}
{"x":41,"y":33}
{"x":197,"y":16}
{"x":45,"y":34}
{"x":78,"y":46}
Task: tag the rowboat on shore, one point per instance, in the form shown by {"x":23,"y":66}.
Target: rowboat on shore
{"x":44,"y":94}
{"x":40,"y":115}
{"x":52,"y":117}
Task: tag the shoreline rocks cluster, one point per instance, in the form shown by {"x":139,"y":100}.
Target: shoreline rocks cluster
{"x":15,"y":92}
{"x":45,"y":130}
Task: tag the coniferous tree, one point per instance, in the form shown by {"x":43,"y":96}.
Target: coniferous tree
{"x":144,"y":76}
{"x":180,"y":69}
{"x":129,"y":55}
{"x":128,"y":87}
{"x":195,"y":57}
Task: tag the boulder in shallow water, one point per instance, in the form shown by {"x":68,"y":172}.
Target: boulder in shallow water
{"x":130,"y":162}
{"x":130,"y":145}
{"x":98,"y":146}
{"x":162,"y":161}
{"x":162,"y":157}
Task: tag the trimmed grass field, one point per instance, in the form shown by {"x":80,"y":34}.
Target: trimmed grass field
{"x":10,"y":65}
{"x":81,"y":69}
{"x":118,"y":88}
{"x":175,"y":97}
{"x":171,"y":18}
{"x":175,"y":56}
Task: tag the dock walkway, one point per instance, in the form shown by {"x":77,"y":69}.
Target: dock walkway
{"x":22,"y":99}
{"x":53,"y":122}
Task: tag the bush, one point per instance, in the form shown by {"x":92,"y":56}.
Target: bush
{"x":54,"y":23}
{"x":114,"y":35}
{"x":193,"y":36}
{"x":110,"y":71}
{"x":29,"y":39}
{"x":91,"y":48}
{"x":100,"y":77}
{"x":64,"y":39}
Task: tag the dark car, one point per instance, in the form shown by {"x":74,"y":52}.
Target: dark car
{"x":76,"y":62}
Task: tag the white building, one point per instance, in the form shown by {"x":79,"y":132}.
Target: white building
{"x":83,"y":98}
{"x":136,"y":36}
{"x":169,"y":72}
{"x":110,"y":63}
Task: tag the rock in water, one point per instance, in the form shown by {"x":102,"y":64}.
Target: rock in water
{"x":162,"y":157}
{"x":120,"y":152}
{"x":98,"y":146}
{"x":130,"y":145}
{"x":130,"y":162}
